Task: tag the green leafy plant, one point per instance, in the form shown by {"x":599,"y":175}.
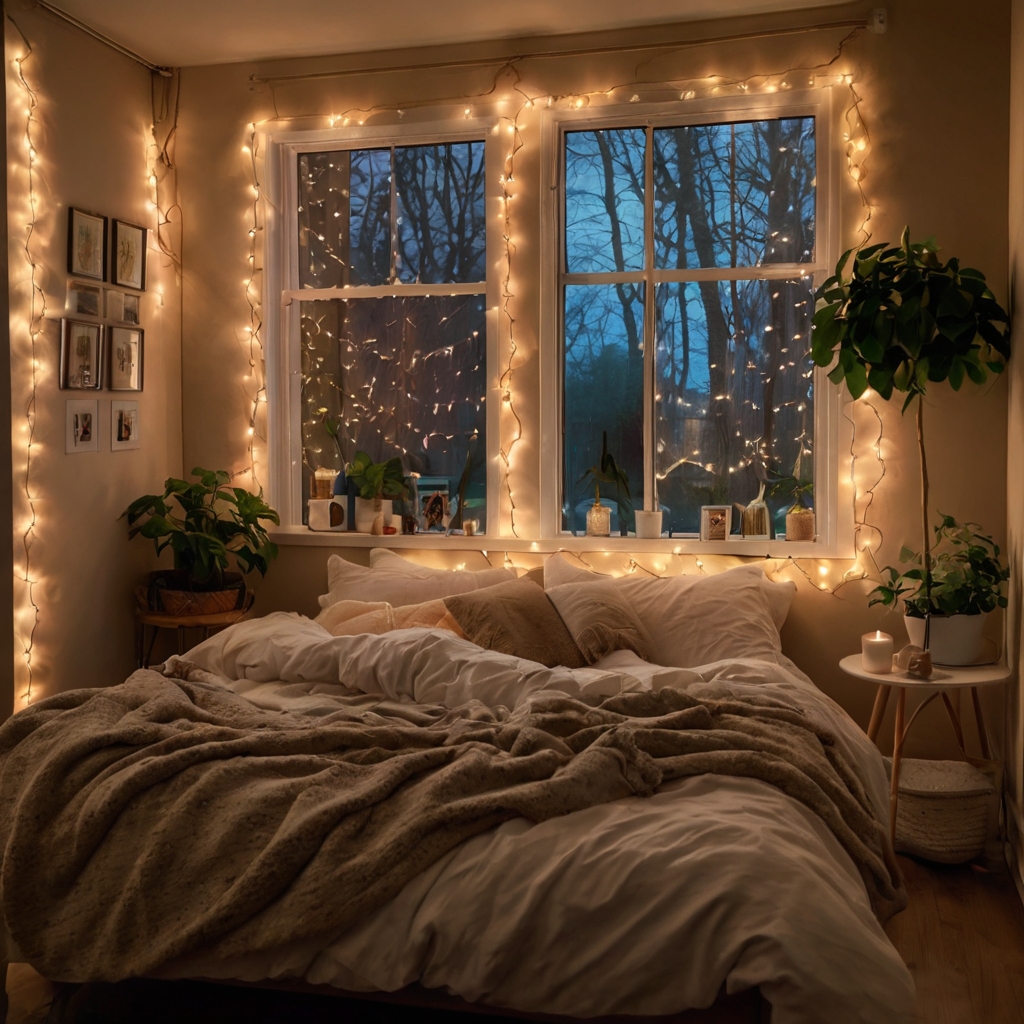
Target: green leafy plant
{"x":608,"y":472}
{"x":206,"y":523}
{"x":377,"y":479}
{"x":793,"y":485}
{"x":902,"y":320}
{"x":966,"y":577}
{"x":333,"y":428}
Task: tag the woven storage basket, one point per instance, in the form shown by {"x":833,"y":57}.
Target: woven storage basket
{"x":944,"y":810}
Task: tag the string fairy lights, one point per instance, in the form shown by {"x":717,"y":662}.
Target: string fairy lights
{"x":253,"y":341}
{"x":513,"y":127}
{"x":26,"y":573}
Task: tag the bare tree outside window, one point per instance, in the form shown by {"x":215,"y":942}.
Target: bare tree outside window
{"x":733,"y":396}
{"x":405,"y":374}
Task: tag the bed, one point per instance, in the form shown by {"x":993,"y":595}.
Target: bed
{"x":667,"y":811}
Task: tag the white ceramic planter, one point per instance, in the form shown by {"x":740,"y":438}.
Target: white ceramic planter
{"x":648,"y":525}
{"x":954,"y":639}
{"x":367,"y":510}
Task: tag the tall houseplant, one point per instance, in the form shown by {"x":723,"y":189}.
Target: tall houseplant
{"x":208,"y":525}
{"x":902,"y":320}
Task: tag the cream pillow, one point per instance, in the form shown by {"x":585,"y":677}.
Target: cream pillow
{"x":347,"y":581}
{"x":384,"y":558}
{"x":559,"y":571}
{"x":600,"y":619}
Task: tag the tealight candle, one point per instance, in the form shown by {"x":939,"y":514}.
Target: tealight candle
{"x":876,"y":652}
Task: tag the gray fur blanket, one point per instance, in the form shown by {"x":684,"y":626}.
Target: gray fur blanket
{"x":170,"y":817}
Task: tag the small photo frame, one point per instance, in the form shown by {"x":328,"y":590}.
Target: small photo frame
{"x":115,"y":304}
{"x":87,"y":244}
{"x":81,"y":356}
{"x":124,"y":426}
{"x":83,"y":299}
{"x":131,"y":309}
{"x":715,"y":522}
{"x":124,"y":356}
{"x":128,"y":255}
{"x":82,"y":426}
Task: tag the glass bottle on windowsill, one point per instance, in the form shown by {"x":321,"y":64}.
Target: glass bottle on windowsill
{"x":599,"y":520}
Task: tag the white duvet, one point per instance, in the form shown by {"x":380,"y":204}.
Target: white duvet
{"x":632,"y":907}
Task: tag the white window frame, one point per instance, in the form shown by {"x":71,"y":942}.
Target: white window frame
{"x":834,"y":492}
{"x":282,"y":293}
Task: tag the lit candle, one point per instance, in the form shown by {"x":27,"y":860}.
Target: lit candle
{"x":876,"y":652}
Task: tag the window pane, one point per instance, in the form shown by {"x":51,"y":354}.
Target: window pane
{"x":603,"y":392}
{"x":407,"y":376}
{"x":604,"y":200}
{"x":441,"y":236}
{"x":734,"y":195}
{"x":735,"y":394}
{"x":344,"y":218}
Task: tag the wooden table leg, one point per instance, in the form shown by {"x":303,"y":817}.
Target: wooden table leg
{"x":982,"y":731}
{"x":181,"y":640}
{"x":152,"y":643}
{"x":897,"y":756}
{"x":955,"y":720}
{"x":878,"y":711}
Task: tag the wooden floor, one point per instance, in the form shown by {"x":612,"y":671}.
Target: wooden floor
{"x":962,"y":938}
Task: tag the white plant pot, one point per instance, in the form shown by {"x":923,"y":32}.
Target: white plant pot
{"x":648,"y":525}
{"x":954,"y":639}
{"x":367,"y":509}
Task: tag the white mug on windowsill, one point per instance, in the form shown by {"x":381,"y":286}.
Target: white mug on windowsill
{"x":648,"y":525}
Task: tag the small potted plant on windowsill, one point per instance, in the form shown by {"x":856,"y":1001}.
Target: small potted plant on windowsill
{"x":967,"y":583}
{"x":207,"y":525}
{"x":607,"y":471}
{"x":378,"y":483}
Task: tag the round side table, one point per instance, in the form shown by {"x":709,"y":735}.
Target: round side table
{"x":944,"y":678}
{"x":161,"y":620}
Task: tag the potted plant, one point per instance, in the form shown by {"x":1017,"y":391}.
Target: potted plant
{"x":800,"y":514}
{"x":966,"y":582}
{"x":206,"y":524}
{"x":607,"y":472}
{"x":902,"y":320}
{"x":378,"y":484}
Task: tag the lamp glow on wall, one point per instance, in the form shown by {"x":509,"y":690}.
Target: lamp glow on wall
{"x":515,"y":128}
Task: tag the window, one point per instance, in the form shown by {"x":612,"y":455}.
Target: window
{"x":685,"y":294}
{"x":385,"y":296}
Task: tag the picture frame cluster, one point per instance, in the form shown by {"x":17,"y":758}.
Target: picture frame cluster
{"x":102,"y":341}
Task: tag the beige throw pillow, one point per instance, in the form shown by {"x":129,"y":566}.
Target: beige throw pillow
{"x":516,"y":618}
{"x":600,"y":619}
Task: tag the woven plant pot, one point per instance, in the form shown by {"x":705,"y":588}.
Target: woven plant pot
{"x":944,"y":810}
{"x":800,"y":525}
{"x":170,"y":593}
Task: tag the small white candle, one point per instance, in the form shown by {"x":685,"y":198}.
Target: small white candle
{"x":876,"y":652}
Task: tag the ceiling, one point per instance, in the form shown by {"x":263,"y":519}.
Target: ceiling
{"x":179,"y":33}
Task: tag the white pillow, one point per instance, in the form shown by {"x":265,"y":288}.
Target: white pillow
{"x":384,"y":558}
{"x":396,"y":585}
{"x":558,"y":571}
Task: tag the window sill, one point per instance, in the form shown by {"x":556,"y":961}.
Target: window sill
{"x":300,"y":536}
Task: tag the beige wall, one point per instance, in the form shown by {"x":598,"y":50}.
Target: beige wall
{"x":935,"y":94}
{"x":94,"y":118}
{"x":1015,"y":456}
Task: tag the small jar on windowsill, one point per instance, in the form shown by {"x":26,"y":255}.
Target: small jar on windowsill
{"x":599,"y":520}
{"x":800,"y":524}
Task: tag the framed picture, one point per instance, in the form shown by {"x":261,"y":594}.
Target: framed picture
{"x":83,"y":299}
{"x":715,"y":522}
{"x":82,"y":423}
{"x":124,"y":426}
{"x":87,"y":244}
{"x":128,"y":255}
{"x":115,"y":304}
{"x":125,"y":352}
{"x":81,"y":352}
{"x":131,"y":309}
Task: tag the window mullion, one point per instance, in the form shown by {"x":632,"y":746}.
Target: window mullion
{"x":394,"y":221}
{"x":650,"y":492}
